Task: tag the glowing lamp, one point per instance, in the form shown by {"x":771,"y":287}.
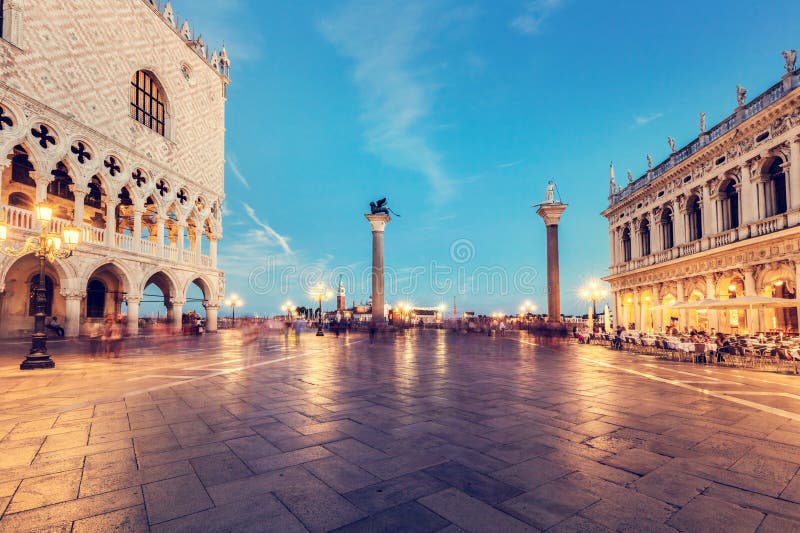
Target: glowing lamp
{"x":72,"y":236}
{"x":3,"y":232}
{"x":44,"y":213}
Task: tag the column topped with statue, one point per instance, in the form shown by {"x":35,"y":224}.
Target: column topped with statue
{"x":551,"y":210}
{"x":378,"y":218}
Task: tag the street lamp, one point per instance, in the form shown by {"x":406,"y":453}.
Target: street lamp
{"x":288,"y":308}
{"x":592,"y":292}
{"x":319,"y":293}
{"x":233,"y":302}
{"x":47,"y":246}
{"x":527,"y":307}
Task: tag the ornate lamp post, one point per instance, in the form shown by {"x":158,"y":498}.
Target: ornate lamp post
{"x":319,"y":293}
{"x":233,"y":302}
{"x":47,"y":246}
{"x":593,"y":292}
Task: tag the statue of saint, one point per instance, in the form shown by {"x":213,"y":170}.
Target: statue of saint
{"x":649,"y":162}
{"x":791,"y":60}
{"x":671,"y":143}
{"x":549,"y":195}
{"x":630,"y":176}
{"x":702,"y":122}
{"x":741,"y":94}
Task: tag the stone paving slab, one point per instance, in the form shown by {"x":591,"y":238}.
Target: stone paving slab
{"x":499,"y":434}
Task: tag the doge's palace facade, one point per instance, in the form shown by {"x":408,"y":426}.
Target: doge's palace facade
{"x":718,"y":219}
{"x":112,"y":112}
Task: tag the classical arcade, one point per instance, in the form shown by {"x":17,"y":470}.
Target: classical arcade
{"x":128,"y":147}
{"x":718,"y":219}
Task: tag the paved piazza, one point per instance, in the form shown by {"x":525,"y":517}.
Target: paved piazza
{"x":425,"y":431}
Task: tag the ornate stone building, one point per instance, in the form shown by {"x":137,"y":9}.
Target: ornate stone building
{"x":718,"y":219}
{"x":112,"y":112}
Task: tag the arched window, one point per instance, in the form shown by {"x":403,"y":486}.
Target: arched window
{"x":775,"y":191}
{"x":148,"y":102}
{"x":48,"y":290}
{"x":695,"y":218}
{"x":21,"y":167}
{"x":60,"y":186}
{"x":667,"y":232}
{"x":18,"y":199}
{"x":730,"y":206}
{"x":626,"y":244}
{"x":644,"y":237}
{"x":95,"y":299}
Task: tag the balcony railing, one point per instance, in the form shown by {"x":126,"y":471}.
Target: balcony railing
{"x":755,"y":229}
{"x":760,"y":102}
{"x":22,"y":219}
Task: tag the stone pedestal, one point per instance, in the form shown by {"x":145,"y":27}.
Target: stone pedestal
{"x":551,"y":214}
{"x":378,"y":224}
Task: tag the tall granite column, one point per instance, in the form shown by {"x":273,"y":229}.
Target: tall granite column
{"x":551,"y":214}
{"x":378,"y":223}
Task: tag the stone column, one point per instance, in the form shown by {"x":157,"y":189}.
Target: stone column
{"x":708,"y":219}
{"x":753,"y":319}
{"x":137,"y":228}
{"x":658,"y":322}
{"x":378,"y":223}
{"x":613,"y":247}
{"x":42,"y":181}
{"x":679,"y":220}
{"x":680,"y":299}
{"x":212,"y":250}
{"x":160,"y":228}
{"x":133,"y":314}
{"x":551,"y":214}
{"x":711,"y":294}
{"x":637,"y":311}
{"x":794,"y":181}
{"x":176,"y":314}
{"x":72,"y":318}
{"x":747,"y":199}
{"x":211,"y":317}
{"x":180,"y":235}
{"x":111,"y":222}
{"x":77,"y":213}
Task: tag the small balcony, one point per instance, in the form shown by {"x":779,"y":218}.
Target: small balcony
{"x":25,"y":221}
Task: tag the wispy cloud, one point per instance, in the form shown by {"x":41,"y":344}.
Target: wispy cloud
{"x":641,"y":120}
{"x":511,"y":164}
{"x":534,"y":13}
{"x":266,"y":233}
{"x":236,"y":172}
{"x":385,"y":40}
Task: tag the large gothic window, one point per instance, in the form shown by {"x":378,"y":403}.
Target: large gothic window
{"x":730,"y":206}
{"x":667,"y":232}
{"x":148,"y":102}
{"x":695,"y":218}
{"x":644,"y":234}
{"x":626,"y":244}
{"x":775,"y":191}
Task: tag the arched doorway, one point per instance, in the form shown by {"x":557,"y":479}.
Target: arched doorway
{"x":775,"y":188}
{"x":732,"y":319}
{"x":17,"y":301}
{"x":106,"y":290}
{"x":158,"y":304}
{"x":201,"y":299}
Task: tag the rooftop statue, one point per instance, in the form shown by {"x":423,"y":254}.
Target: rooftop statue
{"x":649,"y":161}
{"x":630,"y":176}
{"x":741,"y":94}
{"x":671,"y":143}
{"x":791,"y":60}
{"x":380,"y":208}
{"x":702,"y":122}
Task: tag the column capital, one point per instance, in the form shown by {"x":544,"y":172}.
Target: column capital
{"x":211,"y":306}
{"x":175,"y":302}
{"x":133,"y":299}
{"x":378,"y":222}
{"x":551,"y":213}
{"x":72,"y":294}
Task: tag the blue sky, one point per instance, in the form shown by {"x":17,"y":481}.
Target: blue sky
{"x":459,"y":113}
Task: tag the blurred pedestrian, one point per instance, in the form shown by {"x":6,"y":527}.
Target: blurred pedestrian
{"x":95,"y":338}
